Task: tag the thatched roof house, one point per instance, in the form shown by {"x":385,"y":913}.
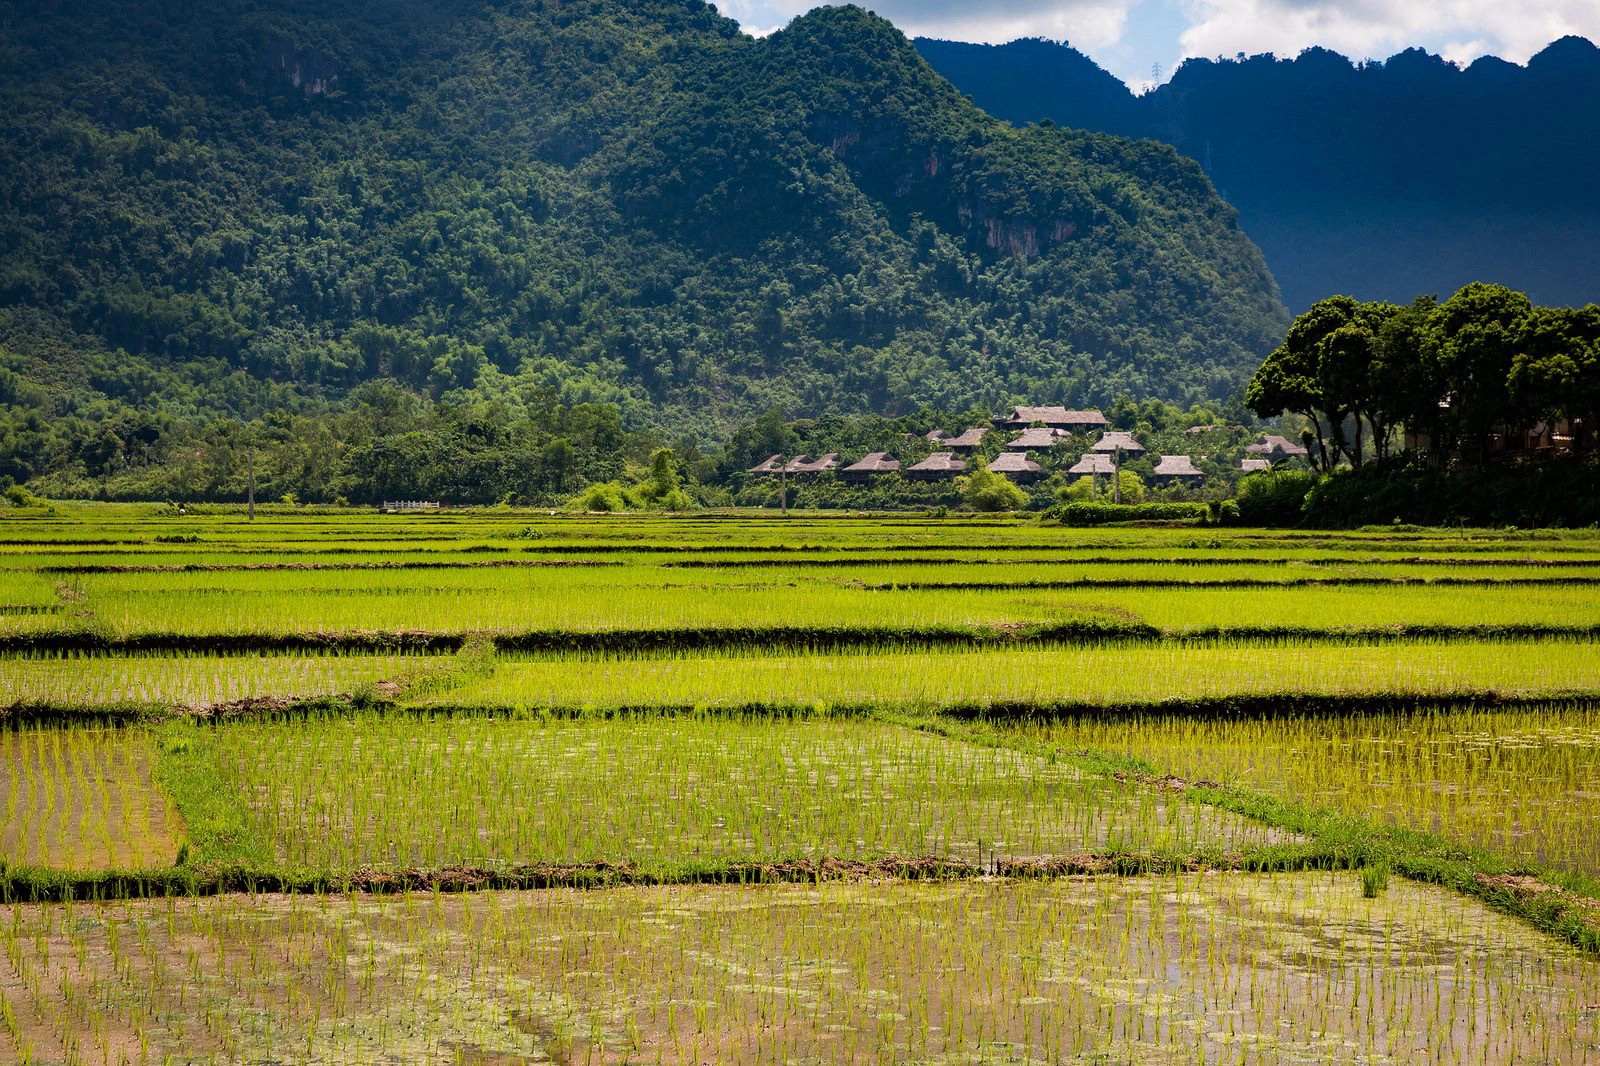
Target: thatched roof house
{"x":805,"y":464}
{"x":1035,"y":439}
{"x":1178,"y":468}
{"x":1094,"y":464}
{"x":936,"y":467}
{"x":876,"y":463}
{"x":968,"y":441}
{"x":771,"y":465}
{"x":1255,"y":466}
{"x":1273,"y":444}
{"x":937,"y":436}
{"x":1055,"y":418}
{"x":1016,"y":466}
{"x":1115,"y":441}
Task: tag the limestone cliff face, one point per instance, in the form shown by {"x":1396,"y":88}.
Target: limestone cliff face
{"x":287,"y":67}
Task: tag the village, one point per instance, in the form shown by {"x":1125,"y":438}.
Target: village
{"x":1036,"y":437}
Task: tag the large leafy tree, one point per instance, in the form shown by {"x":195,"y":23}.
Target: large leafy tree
{"x":1556,"y":371}
{"x":1473,"y":339}
{"x":1292,"y":377}
{"x":1484,"y":361}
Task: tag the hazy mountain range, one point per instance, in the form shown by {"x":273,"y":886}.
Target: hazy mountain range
{"x":1381,"y":180}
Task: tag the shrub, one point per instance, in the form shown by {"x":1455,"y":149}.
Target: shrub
{"x":1563,"y":492}
{"x":1079,"y":491}
{"x":1095,"y":514}
{"x":1223,"y":512}
{"x":984,"y":490}
{"x":1275,"y":498}
{"x":604,"y":496}
{"x":18,"y":496}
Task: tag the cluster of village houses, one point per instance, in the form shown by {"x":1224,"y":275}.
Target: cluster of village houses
{"x":1037,"y":429}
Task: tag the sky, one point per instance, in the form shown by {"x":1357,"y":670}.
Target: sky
{"x":1142,"y":41}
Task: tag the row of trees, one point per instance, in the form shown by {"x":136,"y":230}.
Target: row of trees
{"x":1485,"y":361}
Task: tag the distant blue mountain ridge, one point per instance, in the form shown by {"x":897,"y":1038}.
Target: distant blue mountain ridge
{"x":1381,"y":180}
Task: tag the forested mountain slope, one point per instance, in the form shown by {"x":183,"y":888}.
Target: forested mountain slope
{"x":1381,"y":180}
{"x":252,"y":205}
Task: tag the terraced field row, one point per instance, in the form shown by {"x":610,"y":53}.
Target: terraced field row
{"x":837,"y":790}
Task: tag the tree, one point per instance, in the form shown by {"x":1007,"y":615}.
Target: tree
{"x":1291,"y":377}
{"x":1474,"y":339}
{"x":985,"y":490}
{"x":663,"y":489}
{"x":1347,"y":358}
{"x":1406,"y":381}
{"x":1556,"y":371}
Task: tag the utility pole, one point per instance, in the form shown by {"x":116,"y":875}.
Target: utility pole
{"x":252,"y":481}
{"x":1116,"y":478}
{"x":783,"y":487}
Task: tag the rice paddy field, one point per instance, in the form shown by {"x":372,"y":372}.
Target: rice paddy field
{"x":513,"y":787}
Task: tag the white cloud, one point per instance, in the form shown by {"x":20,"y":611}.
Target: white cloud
{"x":1460,"y":29}
{"x":1086,"y":23}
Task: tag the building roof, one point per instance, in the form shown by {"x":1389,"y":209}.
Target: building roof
{"x":1054,"y":416}
{"x":875,"y":463}
{"x":1037,"y":437}
{"x":1093,"y":463}
{"x":1252,"y":465}
{"x":1013,"y":463}
{"x":937,"y":435}
{"x":1202,"y":429}
{"x":793,"y":466}
{"x":769,"y":465}
{"x":1272,"y":442}
{"x":972,"y":438}
{"x":805,"y":464}
{"x":1110,"y":442}
{"x":1178,"y":466}
{"x":940,"y":463}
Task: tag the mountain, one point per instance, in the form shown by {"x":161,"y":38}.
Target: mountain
{"x":246,"y":206}
{"x":1381,"y":180}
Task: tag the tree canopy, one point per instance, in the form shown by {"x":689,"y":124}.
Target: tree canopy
{"x":226,"y":210}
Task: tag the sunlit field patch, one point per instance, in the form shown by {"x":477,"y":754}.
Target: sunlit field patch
{"x":1108,"y":674}
{"x":1524,"y":783}
{"x":179,"y":679}
{"x":665,"y":794}
{"x":1197,"y":968}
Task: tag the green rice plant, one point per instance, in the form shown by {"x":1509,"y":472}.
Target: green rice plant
{"x":658,"y":793}
{"x":84,"y":681}
{"x":1111,"y":674}
{"x":1523,"y":783}
{"x":83,"y":798}
{"x":1195,"y":968}
{"x":583,"y":599}
{"x":1374,"y":878}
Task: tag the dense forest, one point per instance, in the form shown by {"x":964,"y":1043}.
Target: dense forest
{"x":246,"y":212}
{"x":1376,"y":179}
